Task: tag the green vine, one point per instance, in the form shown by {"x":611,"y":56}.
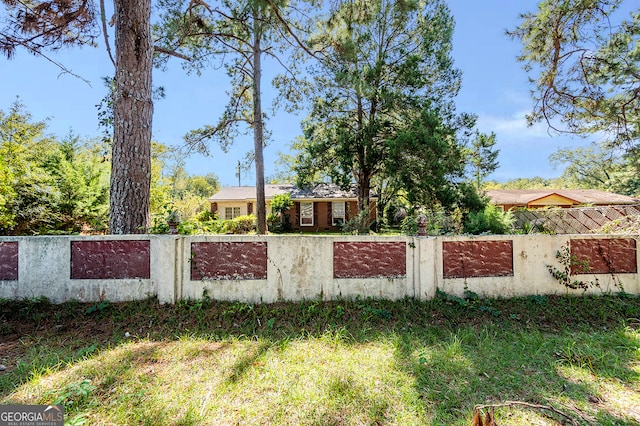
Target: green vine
{"x":570,"y":263}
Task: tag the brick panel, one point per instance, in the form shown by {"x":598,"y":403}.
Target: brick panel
{"x":118,"y":259}
{"x":467,"y":259}
{"x":369,"y":260}
{"x":605,"y":256}
{"x":229,"y":261}
{"x":8,"y":261}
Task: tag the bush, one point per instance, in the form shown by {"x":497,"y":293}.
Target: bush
{"x":438,"y":223}
{"x":491,"y":220}
{"x":240,"y":225}
{"x":272,"y":221}
{"x":281,"y":203}
{"x":409,"y":225}
{"x":278,"y":222}
{"x":206,"y":216}
{"x":359,"y":224}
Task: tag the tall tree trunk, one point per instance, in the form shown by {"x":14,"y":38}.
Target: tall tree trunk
{"x":364,"y":188}
{"x":258,"y":127}
{"x":132,"y":117}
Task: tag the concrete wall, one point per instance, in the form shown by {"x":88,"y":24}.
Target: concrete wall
{"x":270,"y":268}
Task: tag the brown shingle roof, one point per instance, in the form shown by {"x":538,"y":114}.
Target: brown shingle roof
{"x":244,"y":193}
{"x":522,"y":197}
{"x":326,"y":190}
{"x":320,"y":191}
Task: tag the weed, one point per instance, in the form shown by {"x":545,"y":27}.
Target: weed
{"x":470,"y":295}
{"x":238,"y":308}
{"x":491,"y":310}
{"x":89,"y":350}
{"x":201,"y":304}
{"x":369,"y":312}
{"x":340,"y":311}
{"x":98,"y":308}
{"x":538,"y":299}
{"x":451,"y":298}
{"x":74,"y":395}
{"x":270,"y":323}
{"x":575,"y":357}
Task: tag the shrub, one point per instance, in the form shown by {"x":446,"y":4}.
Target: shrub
{"x":438,"y":223}
{"x":281,"y":203}
{"x":409,"y":225}
{"x":359,"y":224}
{"x":206,"y":216}
{"x":491,"y":220}
{"x":240,"y":225}
{"x":278,"y":219}
{"x":278,"y":222}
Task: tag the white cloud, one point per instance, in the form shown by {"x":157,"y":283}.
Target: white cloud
{"x":513,"y":127}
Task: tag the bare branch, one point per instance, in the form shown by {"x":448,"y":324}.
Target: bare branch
{"x":161,"y":49}
{"x":103,"y":18}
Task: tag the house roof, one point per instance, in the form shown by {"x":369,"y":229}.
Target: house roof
{"x":523,"y":197}
{"x":245,"y":193}
{"x":320,"y":191}
{"x":326,"y":190}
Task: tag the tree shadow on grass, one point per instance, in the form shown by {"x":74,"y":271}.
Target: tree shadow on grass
{"x":454,"y":355}
{"x":489,"y":365}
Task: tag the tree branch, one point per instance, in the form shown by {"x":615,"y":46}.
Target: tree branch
{"x":103,"y":18}
{"x":289,"y":30}
{"x":161,"y":49}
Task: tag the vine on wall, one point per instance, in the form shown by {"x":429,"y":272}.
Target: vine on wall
{"x":571,"y":265}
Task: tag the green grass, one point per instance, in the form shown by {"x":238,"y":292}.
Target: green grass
{"x":326,"y":363}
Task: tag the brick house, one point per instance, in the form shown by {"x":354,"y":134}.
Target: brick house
{"x":325,"y":207}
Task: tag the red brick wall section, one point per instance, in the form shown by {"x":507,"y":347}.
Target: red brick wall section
{"x":8,"y":261}
{"x":117,"y":259}
{"x":467,"y":259}
{"x":369,"y":260}
{"x":229,"y":261}
{"x":605,"y":256}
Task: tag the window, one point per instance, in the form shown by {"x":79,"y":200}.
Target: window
{"x":231,"y":212}
{"x":337,"y":213}
{"x":306,"y":214}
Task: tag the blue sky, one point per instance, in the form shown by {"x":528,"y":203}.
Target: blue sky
{"x":494,"y":87}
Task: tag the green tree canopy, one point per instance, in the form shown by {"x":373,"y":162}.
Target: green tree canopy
{"x":46,"y":25}
{"x":173,"y":189}
{"x":598,"y":166}
{"x":481,"y":157}
{"x":49,"y":186}
{"x":384,"y":63}
{"x":427,"y":144}
{"x":238,"y":36}
{"x":584,"y":60}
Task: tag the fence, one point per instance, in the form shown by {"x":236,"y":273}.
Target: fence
{"x":619,"y":219}
{"x":271,"y":268}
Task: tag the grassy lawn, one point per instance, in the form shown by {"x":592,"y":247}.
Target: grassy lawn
{"x":327,"y":363}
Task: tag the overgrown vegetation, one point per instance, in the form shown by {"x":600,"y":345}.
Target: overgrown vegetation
{"x":278,"y":219}
{"x":313,"y":362}
{"x":206,"y":223}
{"x":491,"y":220}
{"x":61,"y":186}
{"x":48,"y":185}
